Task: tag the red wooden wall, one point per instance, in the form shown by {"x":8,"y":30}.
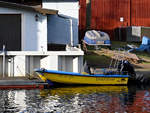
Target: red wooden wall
{"x":140,"y":13}
{"x":105,"y":14}
{"x":82,"y":18}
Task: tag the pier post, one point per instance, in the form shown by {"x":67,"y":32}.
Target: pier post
{"x":20,"y":65}
{"x":77,"y":64}
{"x":50,"y":62}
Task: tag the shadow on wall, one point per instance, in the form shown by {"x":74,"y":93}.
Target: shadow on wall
{"x":59,"y":30}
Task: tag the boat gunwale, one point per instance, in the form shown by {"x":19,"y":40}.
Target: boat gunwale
{"x":82,"y":75}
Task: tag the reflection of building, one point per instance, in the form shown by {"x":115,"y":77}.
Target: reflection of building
{"x":140,"y":103}
{"x":19,"y":99}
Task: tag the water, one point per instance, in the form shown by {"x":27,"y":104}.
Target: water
{"x":87,"y":99}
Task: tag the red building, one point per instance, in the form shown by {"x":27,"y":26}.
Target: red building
{"x":108,"y":15}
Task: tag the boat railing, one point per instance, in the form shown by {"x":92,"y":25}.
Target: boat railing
{"x":110,"y":72}
{"x":115,"y":73}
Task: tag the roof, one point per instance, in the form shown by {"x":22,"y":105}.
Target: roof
{"x":26,"y":7}
{"x":60,"y":0}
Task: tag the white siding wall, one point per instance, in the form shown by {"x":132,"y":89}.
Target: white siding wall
{"x":68,"y":9}
{"x":56,"y":34}
{"x":34,"y":33}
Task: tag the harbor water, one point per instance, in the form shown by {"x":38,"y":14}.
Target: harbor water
{"x":77,"y":99}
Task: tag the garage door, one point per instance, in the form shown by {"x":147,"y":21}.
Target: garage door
{"x":10,"y":32}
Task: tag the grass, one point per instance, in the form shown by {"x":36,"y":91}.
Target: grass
{"x":119,"y":44}
{"x":96,"y":60}
{"x":143,"y":55}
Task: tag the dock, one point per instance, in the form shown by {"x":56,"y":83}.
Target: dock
{"x":22,"y":83}
{"x":17,"y":66}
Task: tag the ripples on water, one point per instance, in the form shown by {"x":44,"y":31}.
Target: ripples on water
{"x":87,"y":99}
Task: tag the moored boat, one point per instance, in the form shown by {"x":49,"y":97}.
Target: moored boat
{"x":52,"y":76}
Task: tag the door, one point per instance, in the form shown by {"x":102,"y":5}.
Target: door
{"x":10,"y":32}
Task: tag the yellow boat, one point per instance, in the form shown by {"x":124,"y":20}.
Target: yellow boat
{"x":52,"y":76}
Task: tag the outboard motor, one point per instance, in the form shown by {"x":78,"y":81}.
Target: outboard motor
{"x":126,"y":68}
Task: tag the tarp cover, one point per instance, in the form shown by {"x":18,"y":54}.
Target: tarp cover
{"x":145,"y":40}
{"x":96,"y":37}
{"x":145,"y":46}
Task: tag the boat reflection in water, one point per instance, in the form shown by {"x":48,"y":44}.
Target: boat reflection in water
{"x":84,"y":90}
{"x":87,"y":98}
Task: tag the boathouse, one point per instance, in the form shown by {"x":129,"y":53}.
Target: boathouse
{"x":130,"y":16}
{"x":25,"y":33}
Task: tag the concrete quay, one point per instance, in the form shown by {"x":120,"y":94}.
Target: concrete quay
{"x":23,"y":63}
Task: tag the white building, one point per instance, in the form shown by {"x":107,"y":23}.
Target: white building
{"x":23,"y":28}
{"x":26,"y":31}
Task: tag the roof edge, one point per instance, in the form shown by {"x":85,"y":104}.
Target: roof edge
{"x":26,"y":7}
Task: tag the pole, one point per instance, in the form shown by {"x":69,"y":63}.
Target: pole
{"x":3,"y":61}
{"x":120,"y":32}
{"x":71,"y":32}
